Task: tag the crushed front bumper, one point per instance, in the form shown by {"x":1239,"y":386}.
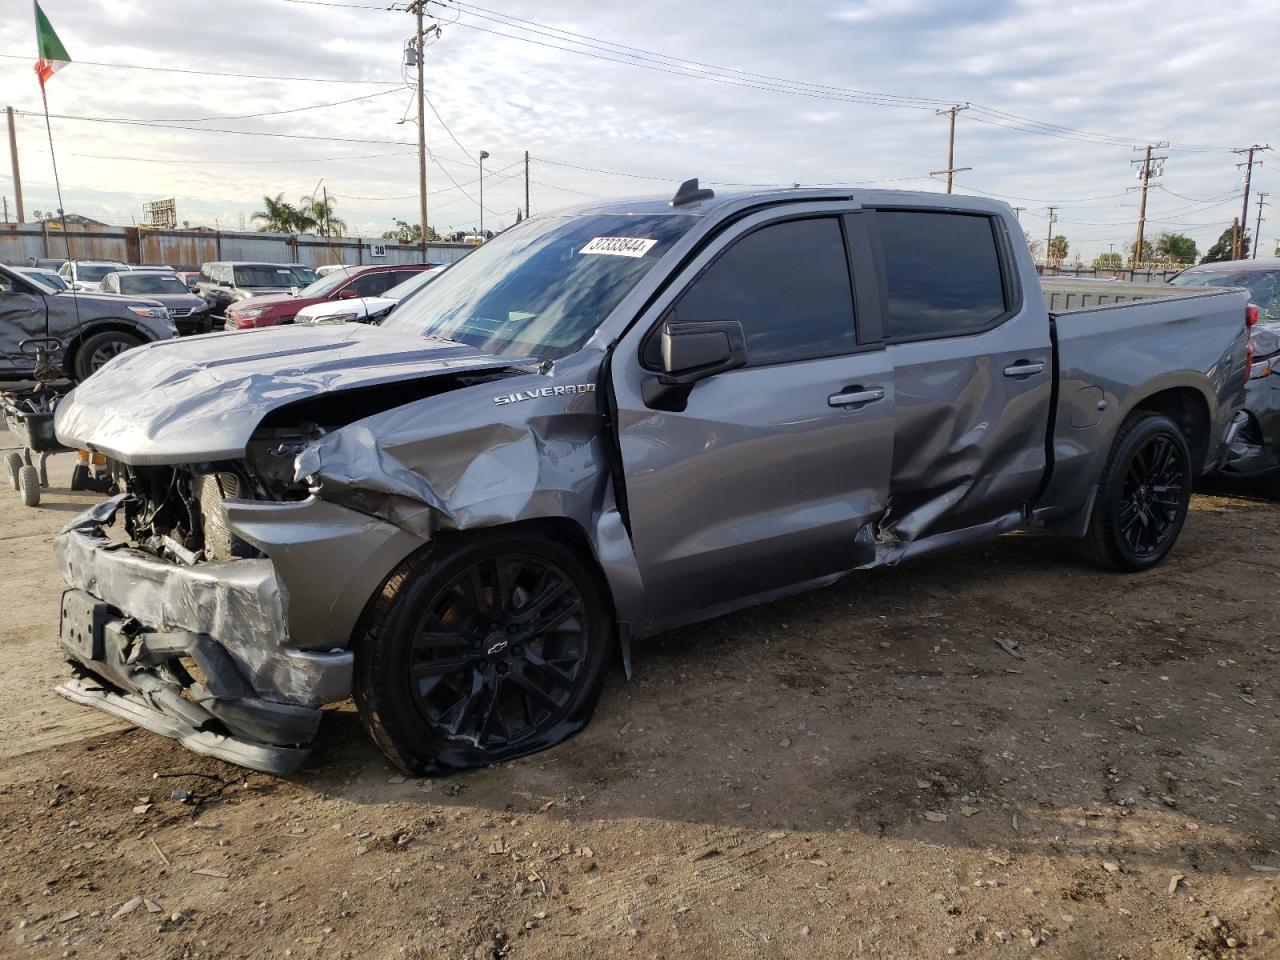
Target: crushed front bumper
{"x":197,"y":653}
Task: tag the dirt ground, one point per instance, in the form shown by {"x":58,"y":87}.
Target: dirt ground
{"x":861,"y":772}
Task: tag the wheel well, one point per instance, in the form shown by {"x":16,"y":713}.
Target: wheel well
{"x":1186,"y":407}
{"x":84,"y":333}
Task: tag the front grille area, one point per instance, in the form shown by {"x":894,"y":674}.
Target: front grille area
{"x":210,"y":490}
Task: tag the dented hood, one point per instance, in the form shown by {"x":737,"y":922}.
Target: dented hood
{"x":200,"y":398}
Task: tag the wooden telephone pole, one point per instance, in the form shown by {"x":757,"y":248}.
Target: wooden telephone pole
{"x":1257,"y":229}
{"x":1145,"y":175}
{"x":952,"y":169}
{"x":1239,"y":252}
{"x":13,"y":159}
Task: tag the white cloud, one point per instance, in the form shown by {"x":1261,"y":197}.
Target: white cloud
{"x":1119,"y":68}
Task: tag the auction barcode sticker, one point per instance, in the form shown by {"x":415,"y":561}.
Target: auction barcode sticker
{"x":619,"y":246}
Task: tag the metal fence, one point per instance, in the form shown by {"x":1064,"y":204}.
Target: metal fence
{"x":22,"y":243}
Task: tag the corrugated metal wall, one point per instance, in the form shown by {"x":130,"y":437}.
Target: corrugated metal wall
{"x":21,"y":243}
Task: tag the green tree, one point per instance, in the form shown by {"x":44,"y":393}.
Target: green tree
{"x":1177,"y":247}
{"x":320,"y":215}
{"x":1058,"y":248}
{"x":1148,"y":252}
{"x":1221,"y":249}
{"x":277,"y":215}
{"x":1108,"y":261}
{"x":409,"y":233}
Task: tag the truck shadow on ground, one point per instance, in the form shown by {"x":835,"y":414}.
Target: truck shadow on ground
{"x":1000,"y":697}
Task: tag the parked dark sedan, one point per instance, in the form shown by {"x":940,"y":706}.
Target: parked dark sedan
{"x":1255,"y":453}
{"x":189,"y":313}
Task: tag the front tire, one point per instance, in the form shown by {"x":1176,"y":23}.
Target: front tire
{"x":100,"y":349}
{"x":490,"y":646}
{"x":1143,"y":496}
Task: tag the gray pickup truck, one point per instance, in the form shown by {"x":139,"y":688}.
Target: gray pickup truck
{"x":88,"y":328}
{"x":598,"y":426}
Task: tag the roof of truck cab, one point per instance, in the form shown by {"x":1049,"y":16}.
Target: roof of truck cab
{"x":733,"y":201}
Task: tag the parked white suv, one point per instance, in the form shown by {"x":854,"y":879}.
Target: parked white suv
{"x":86,"y":275}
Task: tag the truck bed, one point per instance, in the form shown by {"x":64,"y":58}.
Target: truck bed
{"x":1069,"y":294}
{"x":1190,"y":344}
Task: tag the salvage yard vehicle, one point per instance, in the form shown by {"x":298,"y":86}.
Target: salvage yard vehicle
{"x":369,"y":309}
{"x":88,"y":329}
{"x":339,"y":285}
{"x":86,"y":275}
{"x":598,"y":426}
{"x":189,"y":313}
{"x":223,"y":283}
{"x":1255,"y":454}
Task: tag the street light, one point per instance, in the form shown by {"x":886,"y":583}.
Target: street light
{"x":484,"y":155}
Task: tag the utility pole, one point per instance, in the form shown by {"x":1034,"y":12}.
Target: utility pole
{"x":1239,"y":253}
{"x":13,"y":159}
{"x":1257,"y":230}
{"x":527,"y":211}
{"x":6,"y":209}
{"x":1017,"y":212}
{"x":952,"y":169}
{"x":484,"y":155}
{"x":1048,"y":242}
{"x":416,"y":6}
{"x":1145,"y":174}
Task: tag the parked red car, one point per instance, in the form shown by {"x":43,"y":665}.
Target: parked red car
{"x":278,"y":308}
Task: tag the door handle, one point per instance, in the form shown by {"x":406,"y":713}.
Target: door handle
{"x":855,"y":395}
{"x":1024,"y":368}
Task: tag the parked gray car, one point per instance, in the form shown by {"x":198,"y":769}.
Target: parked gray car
{"x":598,"y":426}
{"x":1255,"y":454}
{"x":189,"y":313}
{"x":88,"y":328}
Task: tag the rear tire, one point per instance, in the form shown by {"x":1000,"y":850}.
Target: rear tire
{"x":1142,"y":498}
{"x":101,"y":348}
{"x":489,"y":646}
{"x":29,"y":485}
{"x":13,"y":462}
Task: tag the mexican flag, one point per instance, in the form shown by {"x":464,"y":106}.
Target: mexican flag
{"x":53,"y":55}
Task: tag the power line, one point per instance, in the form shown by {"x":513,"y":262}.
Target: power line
{"x":206,"y":73}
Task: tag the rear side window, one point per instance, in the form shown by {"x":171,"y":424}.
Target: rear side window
{"x":373,"y":284}
{"x":942,"y":273}
{"x":787,"y":284}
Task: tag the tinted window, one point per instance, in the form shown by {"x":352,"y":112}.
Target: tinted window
{"x":373,"y":284}
{"x":942,"y":273}
{"x":787,"y":284}
{"x":143,"y":283}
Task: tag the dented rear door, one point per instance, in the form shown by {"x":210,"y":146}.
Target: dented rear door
{"x":973,"y":370}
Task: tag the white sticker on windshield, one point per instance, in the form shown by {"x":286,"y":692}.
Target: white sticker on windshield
{"x":619,"y":246}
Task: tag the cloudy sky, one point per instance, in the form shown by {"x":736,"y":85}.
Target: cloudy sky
{"x":626,"y":98}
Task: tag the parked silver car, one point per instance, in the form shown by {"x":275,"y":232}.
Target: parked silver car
{"x":598,"y":426}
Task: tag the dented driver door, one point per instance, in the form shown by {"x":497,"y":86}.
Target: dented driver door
{"x":771,"y":475}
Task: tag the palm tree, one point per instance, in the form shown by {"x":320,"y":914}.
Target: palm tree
{"x":277,"y":215}
{"x":320,"y":214}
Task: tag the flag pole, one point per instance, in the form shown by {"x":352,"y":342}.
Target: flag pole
{"x":57,"y":184}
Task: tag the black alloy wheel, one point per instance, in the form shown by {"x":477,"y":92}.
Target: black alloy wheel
{"x":498,"y":650}
{"x":1153,"y":495}
{"x":1143,"y":496}
{"x":485,"y":649}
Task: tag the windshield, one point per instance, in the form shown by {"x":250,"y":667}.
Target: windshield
{"x":93,"y":272}
{"x":269,"y":276}
{"x":407,"y":288}
{"x":151,"y":283}
{"x":1263,"y":286}
{"x":325,"y":285}
{"x":47,"y":282}
{"x":543,"y":287}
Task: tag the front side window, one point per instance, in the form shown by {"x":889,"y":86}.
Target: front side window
{"x":787,"y":284}
{"x":373,"y":284}
{"x":267,"y":277}
{"x":942,"y":273}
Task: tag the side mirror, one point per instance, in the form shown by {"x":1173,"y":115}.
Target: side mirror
{"x":347,"y":294}
{"x":693,"y":350}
